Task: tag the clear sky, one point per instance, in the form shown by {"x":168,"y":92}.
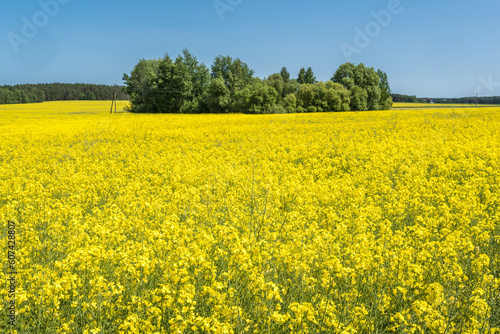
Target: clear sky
{"x":440,"y":48}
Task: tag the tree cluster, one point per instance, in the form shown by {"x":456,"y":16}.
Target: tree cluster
{"x":14,"y":95}
{"x":185,"y":85}
{"x":461,"y":100}
{"x":470,"y":100}
{"x":34,"y":93}
{"x":400,"y":98}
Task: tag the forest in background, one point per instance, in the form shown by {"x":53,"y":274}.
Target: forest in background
{"x":399,"y":98}
{"x":35,"y":93}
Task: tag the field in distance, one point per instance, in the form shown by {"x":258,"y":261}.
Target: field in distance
{"x":353,"y":222}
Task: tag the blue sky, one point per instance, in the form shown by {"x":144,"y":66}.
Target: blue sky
{"x":428,"y":48}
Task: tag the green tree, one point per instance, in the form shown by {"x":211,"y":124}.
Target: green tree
{"x":363,"y":83}
{"x":185,"y":85}
{"x":276,"y":81}
{"x":385,"y":91}
{"x":332,"y":96}
{"x":5,"y":96}
{"x":167,"y":86}
{"x":199,"y":76}
{"x":263,"y":98}
{"x":305,"y":97}
{"x":310,"y":78}
{"x":257,"y":98}
{"x":218,"y":97}
{"x":235,"y":73}
{"x":285,"y":75}
{"x":290,"y":103}
{"x":291,"y":87}
{"x":306,"y":76}
{"x":320,"y":97}
{"x":138,"y":85}
{"x":20,"y":96}
{"x":301,"y":77}
{"x":345,"y":75}
{"x":90,"y":96}
{"x":172,"y":86}
{"x":359,"y":99}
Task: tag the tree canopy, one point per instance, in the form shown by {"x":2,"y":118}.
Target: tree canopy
{"x":369,"y":88}
{"x":184,"y":85}
{"x":306,"y":76}
{"x":36,"y":93}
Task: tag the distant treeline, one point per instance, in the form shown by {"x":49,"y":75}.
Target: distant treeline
{"x":183,"y":85}
{"x":34,"y":93}
{"x":471,"y":100}
{"x":399,"y":98}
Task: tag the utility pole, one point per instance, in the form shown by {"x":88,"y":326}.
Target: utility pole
{"x":113,"y":102}
{"x":477,"y":98}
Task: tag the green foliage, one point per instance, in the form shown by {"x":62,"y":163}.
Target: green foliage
{"x":257,"y":98}
{"x":322,"y":96}
{"x":301,"y":77}
{"x":405,"y":98}
{"x":218,"y":96}
{"x":285,"y":75}
{"x":373,"y":100}
{"x":306,"y":76}
{"x":291,"y":87}
{"x":370,"y":89}
{"x":305,"y":95}
{"x":235,"y":73}
{"x":167,"y":86}
{"x":172,"y":86}
{"x":199,"y":76}
{"x":138,"y":83}
{"x":5,"y":96}
{"x":312,"y":109}
{"x":310,"y":78}
{"x":385,"y":91}
{"x":345,"y":75}
{"x":290,"y":103}
{"x":232,"y":77}
{"x":36,"y":93}
{"x":89,"y":96}
{"x":278,"y":109}
{"x":185,"y":86}
{"x":337,"y":98}
{"x":359,"y":99}
{"x":278,"y":83}
{"x":387,"y":104}
{"x":467,"y":100}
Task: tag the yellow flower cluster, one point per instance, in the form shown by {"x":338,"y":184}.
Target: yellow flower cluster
{"x":376,"y":222}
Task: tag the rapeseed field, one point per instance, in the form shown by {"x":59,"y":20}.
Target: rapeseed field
{"x":368,"y":222}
